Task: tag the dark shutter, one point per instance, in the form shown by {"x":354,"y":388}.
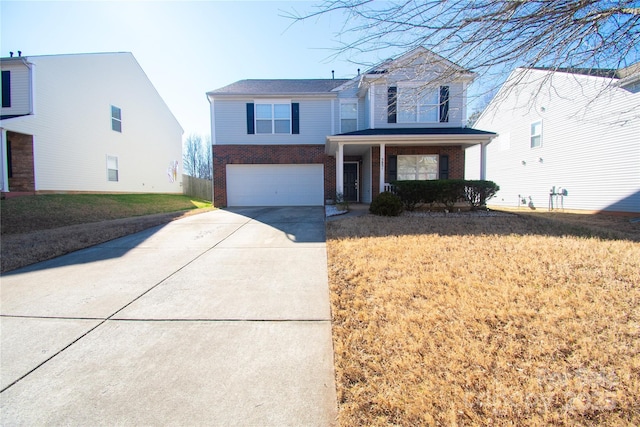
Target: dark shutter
{"x":295,"y":118}
{"x":250,"y":122}
{"x":6,"y":89}
{"x":9,"y":160}
{"x":392,"y":104}
{"x":392,"y":168}
{"x":444,"y":166}
{"x":444,"y":104}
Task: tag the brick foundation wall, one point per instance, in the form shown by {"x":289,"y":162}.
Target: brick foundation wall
{"x":456,"y":160}
{"x":268,"y":154}
{"x":22,"y":177}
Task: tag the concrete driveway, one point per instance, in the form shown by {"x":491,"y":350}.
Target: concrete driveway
{"x":218,"y":319}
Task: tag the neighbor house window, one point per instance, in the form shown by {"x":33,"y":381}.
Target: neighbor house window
{"x":418,"y":105}
{"x":6,"y":89}
{"x":273,"y":118}
{"x":112,"y":168}
{"x":418,"y":167}
{"x":536,"y":134}
{"x":116,"y":119}
{"x":348,"y":117}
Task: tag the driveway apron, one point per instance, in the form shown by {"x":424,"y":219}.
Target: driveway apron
{"x":218,"y":319}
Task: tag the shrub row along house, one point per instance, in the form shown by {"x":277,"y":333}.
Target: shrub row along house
{"x":85,"y":123}
{"x":306,"y":142}
{"x":568,"y":138}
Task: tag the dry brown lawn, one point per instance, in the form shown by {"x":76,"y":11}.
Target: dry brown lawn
{"x":516,"y":320}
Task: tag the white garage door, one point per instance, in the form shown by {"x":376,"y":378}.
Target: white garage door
{"x":275,"y":185}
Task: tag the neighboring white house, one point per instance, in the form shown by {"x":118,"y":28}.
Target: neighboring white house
{"x":86,"y":123}
{"x":568,"y":138}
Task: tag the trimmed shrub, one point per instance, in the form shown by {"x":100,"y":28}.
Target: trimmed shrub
{"x":446,"y":192}
{"x":386,"y":204}
{"x":410,"y":193}
{"x":478,"y":192}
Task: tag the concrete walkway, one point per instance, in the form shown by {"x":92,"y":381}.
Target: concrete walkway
{"x":218,"y":319}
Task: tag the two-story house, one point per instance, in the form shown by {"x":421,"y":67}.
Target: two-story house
{"x":302,"y":142}
{"x":85,"y":123}
{"x":568,"y":138}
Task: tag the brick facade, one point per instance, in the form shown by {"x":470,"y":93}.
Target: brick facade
{"x":269,"y":154}
{"x":21,"y":170}
{"x":307,"y":154}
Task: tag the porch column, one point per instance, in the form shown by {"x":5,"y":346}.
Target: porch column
{"x":381,"y":167}
{"x":340,"y":169}
{"x":483,"y":161}
{"x":4,"y":171}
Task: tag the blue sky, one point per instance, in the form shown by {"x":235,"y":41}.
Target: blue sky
{"x":185,"y":47}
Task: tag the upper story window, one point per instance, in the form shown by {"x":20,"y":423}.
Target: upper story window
{"x":536,"y":134}
{"x":6,"y":89}
{"x":116,"y":119}
{"x":273,"y":118}
{"x":348,"y":116}
{"x":418,"y":105}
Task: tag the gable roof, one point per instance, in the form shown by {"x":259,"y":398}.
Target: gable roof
{"x":279,"y":87}
{"x":594,"y":72}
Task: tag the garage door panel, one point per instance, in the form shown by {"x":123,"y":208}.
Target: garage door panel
{"x":275,"y":185}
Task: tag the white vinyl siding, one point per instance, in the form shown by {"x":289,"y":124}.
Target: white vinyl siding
{"x":589,"y":143}
{"x":275,"y":185}
{"x":72,"y":125}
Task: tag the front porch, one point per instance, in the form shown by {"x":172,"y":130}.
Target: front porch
{"x":368,"y":161}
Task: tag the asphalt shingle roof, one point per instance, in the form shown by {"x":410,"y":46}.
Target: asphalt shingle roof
{"x":279,"y":86}
{"x":419,"y":131}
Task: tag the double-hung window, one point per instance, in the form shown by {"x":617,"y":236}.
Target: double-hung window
{"x":112,"y":168}
{"x":417,"y":104}
{"x":273,"y":118}
{"x":116,"y":119}
{"x":348,"y":116}
{"x":418,"y":167}
{"x":536,"y":134}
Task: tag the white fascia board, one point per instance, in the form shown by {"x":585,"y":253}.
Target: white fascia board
{"x":463,"y":140}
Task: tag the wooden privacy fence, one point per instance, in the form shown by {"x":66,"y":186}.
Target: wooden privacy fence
{"x":197,"y":187}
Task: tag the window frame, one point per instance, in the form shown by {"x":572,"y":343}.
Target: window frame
{"x":116,"y":120}
{"x":109,"y":158}
{"x":273,"y":119}
{"x":416,"y":173}
{"x":533,"y":135}
{"x":421,"y":92}
{"x":343,"y":102}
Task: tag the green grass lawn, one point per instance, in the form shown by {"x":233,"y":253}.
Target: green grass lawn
{"x":33,"y":213}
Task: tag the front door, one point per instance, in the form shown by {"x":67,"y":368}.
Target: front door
{"x":350,"y":192}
